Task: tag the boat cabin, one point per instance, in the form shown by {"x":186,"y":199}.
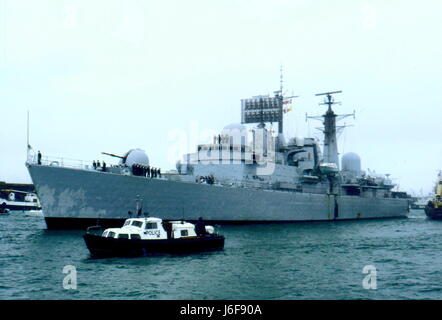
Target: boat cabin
{"x":151,"y":229}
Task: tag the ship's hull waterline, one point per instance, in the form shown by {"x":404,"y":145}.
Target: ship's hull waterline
{"x":75,"y":199}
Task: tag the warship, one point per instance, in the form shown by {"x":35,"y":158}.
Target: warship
{"x":241,"y":177}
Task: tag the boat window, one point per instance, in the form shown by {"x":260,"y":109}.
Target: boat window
{"x":104,"y":234}
{"x":184,"y":233}
{"x":111,"y":234}
{"x":126,"y":223}
{"x":151,"y":225}
{"x":137,"y":224}
{"x":135,"y":236}
{"x":123,"y":236}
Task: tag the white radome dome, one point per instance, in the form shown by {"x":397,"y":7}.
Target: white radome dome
{"x":235,"y":126}
{"x":135,"y":156}
{"x":237,"y":133}
{"x":351,"y":162}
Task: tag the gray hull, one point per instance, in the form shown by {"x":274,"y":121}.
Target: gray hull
{"x":72,"y":194}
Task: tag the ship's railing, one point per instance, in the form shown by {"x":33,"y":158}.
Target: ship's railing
{"x":61,"y":162}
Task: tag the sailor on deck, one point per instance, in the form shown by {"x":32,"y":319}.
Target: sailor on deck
{"x":200,"y":227}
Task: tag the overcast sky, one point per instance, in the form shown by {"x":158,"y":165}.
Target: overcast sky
{"x":114,"y":75}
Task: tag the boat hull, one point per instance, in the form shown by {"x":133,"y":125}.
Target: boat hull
{"x":18,"y":205}
{"x":433,"y":213}
{"x":110,"y":247}
{"x":76,"y":198}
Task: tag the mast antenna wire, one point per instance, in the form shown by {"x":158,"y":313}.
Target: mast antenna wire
{"x":281,"y":81}
{"x":28,"y":146}
{"x":27,"y":133}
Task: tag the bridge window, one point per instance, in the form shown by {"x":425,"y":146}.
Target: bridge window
{"x":111,"y":234}
{"x":184,"y":233}
{"x":135,"y":236}
{"x":123,"y":236}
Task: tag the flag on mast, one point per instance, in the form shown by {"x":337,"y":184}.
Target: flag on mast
{"x":287,"y":102}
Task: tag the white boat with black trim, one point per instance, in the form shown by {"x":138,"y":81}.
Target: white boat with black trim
{"x":143,"y":236}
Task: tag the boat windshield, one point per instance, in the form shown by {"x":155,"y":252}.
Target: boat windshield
{"x":126,"y":223}
{"x":137,"y":224}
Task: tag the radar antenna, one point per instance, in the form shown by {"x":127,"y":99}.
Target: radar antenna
{"x":262,"y":109}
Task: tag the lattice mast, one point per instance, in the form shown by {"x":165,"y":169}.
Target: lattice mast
{"x":330,"y":129}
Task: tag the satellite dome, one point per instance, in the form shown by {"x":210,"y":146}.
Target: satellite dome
{"x":235,"y":126}
{"x":135,"y":156}
{"x":351,"y":162}
{"x":236,"y":133}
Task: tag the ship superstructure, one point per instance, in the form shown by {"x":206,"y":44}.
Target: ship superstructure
{"x":241,"y":177}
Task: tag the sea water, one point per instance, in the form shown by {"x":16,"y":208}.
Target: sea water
{"x":367,"y":259}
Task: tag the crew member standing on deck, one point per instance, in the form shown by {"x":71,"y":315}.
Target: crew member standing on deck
{"x":39,"y":157}
{"x":200,"y":227}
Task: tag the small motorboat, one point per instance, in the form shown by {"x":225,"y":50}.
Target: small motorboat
{"x":144,"y":236}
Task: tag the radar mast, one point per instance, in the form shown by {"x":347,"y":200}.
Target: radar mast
{"x":330,"y":128}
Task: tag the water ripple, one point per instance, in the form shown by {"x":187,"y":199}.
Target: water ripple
{"x":277,"y":261}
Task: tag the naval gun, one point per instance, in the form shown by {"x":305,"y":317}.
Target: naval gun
{"x":133,"y":156}
{"x":115,"y":156}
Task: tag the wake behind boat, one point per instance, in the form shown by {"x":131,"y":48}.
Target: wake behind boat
{"x":34,"y":213}
{"x":144,"y":236}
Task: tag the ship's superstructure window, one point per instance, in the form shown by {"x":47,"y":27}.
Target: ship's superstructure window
{"x":184,"y":233}
{"x":137,"y":224}
{"x":123,"y":236}
{"x":126,"y":223}
{"x":135,"y":236}
{"x":151,"y":225}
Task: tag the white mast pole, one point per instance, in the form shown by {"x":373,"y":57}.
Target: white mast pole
{"x":27,"y":139}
